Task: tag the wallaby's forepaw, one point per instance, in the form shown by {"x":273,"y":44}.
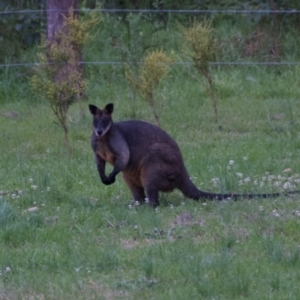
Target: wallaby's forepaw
{"x":108,"y":180}
{"x":105,"y":180}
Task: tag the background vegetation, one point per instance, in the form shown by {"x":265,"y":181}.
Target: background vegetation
{"x":64,"y":235}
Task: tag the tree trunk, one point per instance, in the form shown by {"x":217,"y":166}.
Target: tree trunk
{"x":56,"y":10}
{"x":276,"y":31}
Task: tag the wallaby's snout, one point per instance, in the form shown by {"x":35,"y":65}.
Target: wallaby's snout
{"x":98,"y":132}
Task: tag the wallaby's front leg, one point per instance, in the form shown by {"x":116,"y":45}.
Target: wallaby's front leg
{"x":119,"y":165}
{"x":101,"y":169}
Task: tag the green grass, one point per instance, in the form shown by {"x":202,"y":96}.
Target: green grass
{"x":85,"y":241}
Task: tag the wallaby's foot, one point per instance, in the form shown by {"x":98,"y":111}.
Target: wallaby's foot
{"x":138,"y":194}
{"x":152,"y":197}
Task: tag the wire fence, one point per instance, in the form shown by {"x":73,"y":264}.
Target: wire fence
{"x":260,"y":12}
{"x":120,"y":63}
{"x":151,"y":11}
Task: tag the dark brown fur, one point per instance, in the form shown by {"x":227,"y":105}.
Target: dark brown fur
{"x":150,"y":160}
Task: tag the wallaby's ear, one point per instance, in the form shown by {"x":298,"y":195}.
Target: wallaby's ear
{"x":109,"y":108}
{"x":93,"y":109}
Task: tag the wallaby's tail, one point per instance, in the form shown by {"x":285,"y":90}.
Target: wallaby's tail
{"x":220,"y":197}
{"x":191,"y":191}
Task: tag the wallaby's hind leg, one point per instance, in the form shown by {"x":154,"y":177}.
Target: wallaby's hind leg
{"x":152,"y":182}
{"x":137,"y":190}
{"x":138,"y":193}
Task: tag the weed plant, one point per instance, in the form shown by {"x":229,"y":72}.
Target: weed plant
{"x":156,"y":66}
{"x":64,"y":235}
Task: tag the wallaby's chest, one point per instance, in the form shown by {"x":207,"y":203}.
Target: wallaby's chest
{"x":105,"y":152}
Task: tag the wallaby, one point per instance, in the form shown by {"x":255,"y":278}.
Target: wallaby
{"x":150,"y":160}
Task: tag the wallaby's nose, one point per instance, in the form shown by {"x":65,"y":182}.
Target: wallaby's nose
{"x":99,"y":132}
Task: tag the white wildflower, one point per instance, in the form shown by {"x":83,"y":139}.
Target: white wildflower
{"x":13,"y":196}
{"x":8,"y":269}
{"x":245,"y":158}
{"x":231,"y":162}
{"x":287,"y":185}
{"x":215,"y":181}
{"x":30,"y":180}
{"x":275,"y":213}
{"x":32,"y":209}
{"x":240,"y":175}
{"x":271,"y":177}
{"x":248,"y":179}
{"x":34,"y":187}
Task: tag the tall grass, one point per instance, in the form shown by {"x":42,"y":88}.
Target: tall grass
{"x":65,"y":235}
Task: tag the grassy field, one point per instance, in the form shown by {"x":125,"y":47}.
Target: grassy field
{"x":64,"y":235}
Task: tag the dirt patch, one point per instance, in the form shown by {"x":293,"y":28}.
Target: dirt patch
{"x":187,"y":219}
{"x":129,"y":243}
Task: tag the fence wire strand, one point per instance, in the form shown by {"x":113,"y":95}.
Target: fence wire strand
{"x":169,"y":11}
{"x":120,"y":63}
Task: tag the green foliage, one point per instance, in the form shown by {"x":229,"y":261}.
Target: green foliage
{"x":18,"y":31}
{"x":58,"y":76}
{"x":155,"y":67}
{"x":202,"y":51}
{"x":201,"y":46}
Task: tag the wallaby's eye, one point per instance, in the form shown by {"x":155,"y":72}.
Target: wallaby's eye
{"x":101,"y":121}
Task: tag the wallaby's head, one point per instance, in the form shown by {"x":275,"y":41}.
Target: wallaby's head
{"x":102,"y":120}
